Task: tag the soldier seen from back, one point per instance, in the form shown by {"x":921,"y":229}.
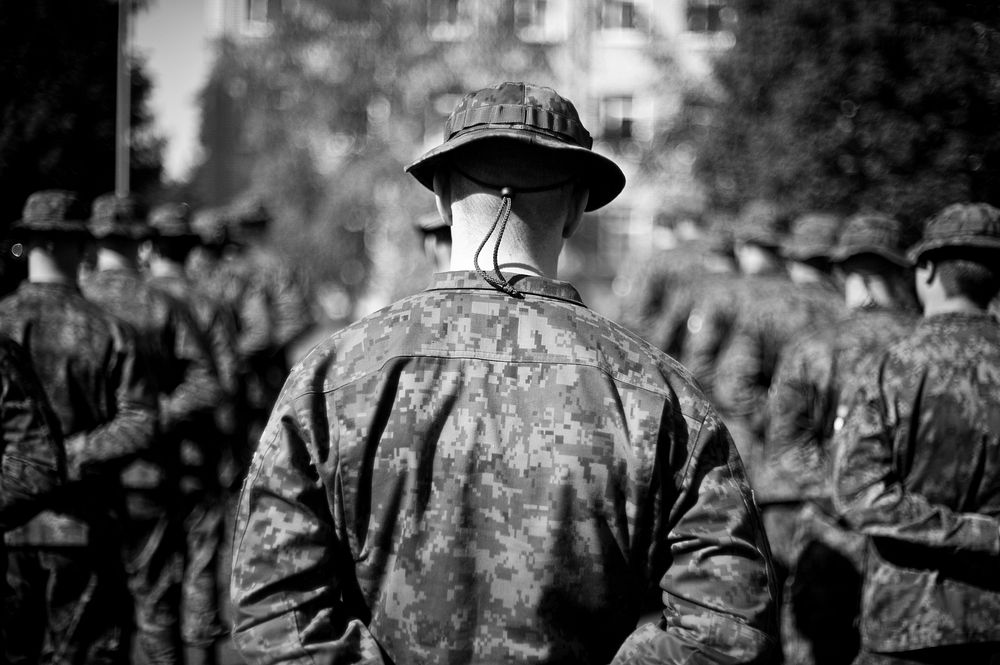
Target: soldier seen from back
{"x":69,"y":602}
{"x":917,"y":462}
{"x":793,"y":481}
{"x":189,"y":391}
{"x":488,"y":471}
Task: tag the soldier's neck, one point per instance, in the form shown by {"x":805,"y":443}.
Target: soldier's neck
{"x":117,"y":259}
{"x":160,"y":267}
{"x":45,"y":268}
{"x":951,"y":305}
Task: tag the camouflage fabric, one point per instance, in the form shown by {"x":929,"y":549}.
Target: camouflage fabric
{"x":916,"y":470}
{"x":796,"y":460}
{"x":34,"y":461}
{"x":773,"y":310}
{"x":465,"y":476}
{"x":709,"y":326}
{"x":98,"y":387}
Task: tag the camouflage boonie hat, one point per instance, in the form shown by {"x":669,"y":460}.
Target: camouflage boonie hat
{"x":813,"y":236}
{"x":210,"y":225}
{"x":760,"y":223}
{"x":871,"y":233}
{"x":172,"y":220}
{"x":52,"y":211}
{"x":964,"y":225}
{"x":532,"y":114}
{"x":249,"y":212}
{"x":118,"y":217}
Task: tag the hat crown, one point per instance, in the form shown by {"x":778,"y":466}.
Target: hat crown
{"x":209,"y":224}
{"x":54,"y":205}
{"x":964,"y":221}
{"x":813,"y":234}
{"x":171,"y":219}
{"x":115,"y":209}
{"x":870,"y":232}
{"x":760,"y":222}
{"x":524,"y":106}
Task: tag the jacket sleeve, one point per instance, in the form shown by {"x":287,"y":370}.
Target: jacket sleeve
{"x":34,"y":461}
{"x":287,"y":577}
{"x":871,"y":496}
{"x":719,"y":590}
{"x":132,"y":423}
{"x":709,"y":327}
{"x":198,"y":391}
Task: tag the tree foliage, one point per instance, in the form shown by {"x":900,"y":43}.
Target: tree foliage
{"x":885,"y":104}
{"x":57,"y":110}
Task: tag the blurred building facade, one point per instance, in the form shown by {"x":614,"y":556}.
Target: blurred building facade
{"x":626,"y":65}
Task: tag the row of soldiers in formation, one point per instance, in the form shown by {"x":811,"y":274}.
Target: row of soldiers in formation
{"x":862,"y":424}
{"x":121,"y":376}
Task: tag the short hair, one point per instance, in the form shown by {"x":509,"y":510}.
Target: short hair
{"x":969,"y":272}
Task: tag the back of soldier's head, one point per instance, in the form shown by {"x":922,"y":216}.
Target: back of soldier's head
{"x":972,"y":273}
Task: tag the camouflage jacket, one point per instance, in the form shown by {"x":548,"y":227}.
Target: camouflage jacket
{"x":795,"y":462}
{"x":677,"y":321}
{"x":709,"y":326}
{"x":98,"y":386}
{"x":467,"y":476}
{"x":917,"y":468}
{"x":33,"y":457}
{"x":773,"y":310}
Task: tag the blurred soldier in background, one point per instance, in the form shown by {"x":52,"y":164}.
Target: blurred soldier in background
{"x":793,"y":480}
{"x":271,"y":305}
{"x":490,"y":472}
{"x":70,"y":601}
{"x":712,"y":320}
{"x":31,"y":449}
{"x":189,"y":392}
{"x":204,"y":448}
{"x":773,"y":309}
{"x":435,"y":237}
{"x":917,"y":467}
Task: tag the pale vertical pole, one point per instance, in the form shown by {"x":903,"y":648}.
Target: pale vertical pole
{"x":123,"y":102}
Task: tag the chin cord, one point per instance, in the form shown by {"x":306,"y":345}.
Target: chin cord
{"x":499,"y":282}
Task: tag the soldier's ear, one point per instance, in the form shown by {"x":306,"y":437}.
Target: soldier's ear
{"x":578,"y":203}
{"x":442,"y":194}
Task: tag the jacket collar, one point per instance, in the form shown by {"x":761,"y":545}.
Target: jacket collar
{"x":527,"y":284}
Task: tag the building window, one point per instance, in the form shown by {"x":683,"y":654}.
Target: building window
{"x":540,"y":21}
{"x":617,"y":119}
{"x":448,"y":20}
{"x":618,"y":15}
{"x":708,"y":16}
{"x":259,"y":16}
{"x":530,"y":14}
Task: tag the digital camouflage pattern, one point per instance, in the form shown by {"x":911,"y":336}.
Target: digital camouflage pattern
{"x":98,"y":386}
{"x":917,"y":471}
{"x":34,"y":461}
{"x":772,"y":311}
{"x":465,"y":476}
{"x":807,"y":389}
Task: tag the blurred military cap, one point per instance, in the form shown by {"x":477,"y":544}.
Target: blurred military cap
{"x":248,"y":211}
{"x":871,"y":233}
{"x":960,"y":225}
{"x":118,"y":216}
{"x":760,"y":223}
{"x":532,"y":114}
{"x":172,"y":220}
{"x":210,"y":225}
{"x":52,"y":211}
{"x":813,"y":236}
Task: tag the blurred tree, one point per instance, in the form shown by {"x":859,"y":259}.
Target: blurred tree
{"x":887,"y":104}
{"x":319,"y":104}
{"x":57,"y":111}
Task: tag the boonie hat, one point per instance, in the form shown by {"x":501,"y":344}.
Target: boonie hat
{"x":966,"y":225}
{"x":52,"y":211}
{"x":813,"y":236}
{"x":248,"y":211}
{"x":760,"y":223}
{"x":172,"y":220}
{"x":210,"y":225}
{"x":532,"y":114}
{"x":871,"y":233}
{"x":118,"y":216}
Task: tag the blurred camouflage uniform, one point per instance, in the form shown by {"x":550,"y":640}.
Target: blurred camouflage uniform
{"x":203,"y":449}
{"x":473,"y":476}
{"x":917,"y":471}
{"x":792,"y":481}
{"x":70,"y":602}
{"x":772,"y":310}
{"x":189,"y":392}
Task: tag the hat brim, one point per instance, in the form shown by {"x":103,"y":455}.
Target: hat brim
{"x":604,"y":178}
{"x":121,"y":231}
{"x":845,"y":253}
{"x":22,"y":228}
{"x":959,"y":242}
